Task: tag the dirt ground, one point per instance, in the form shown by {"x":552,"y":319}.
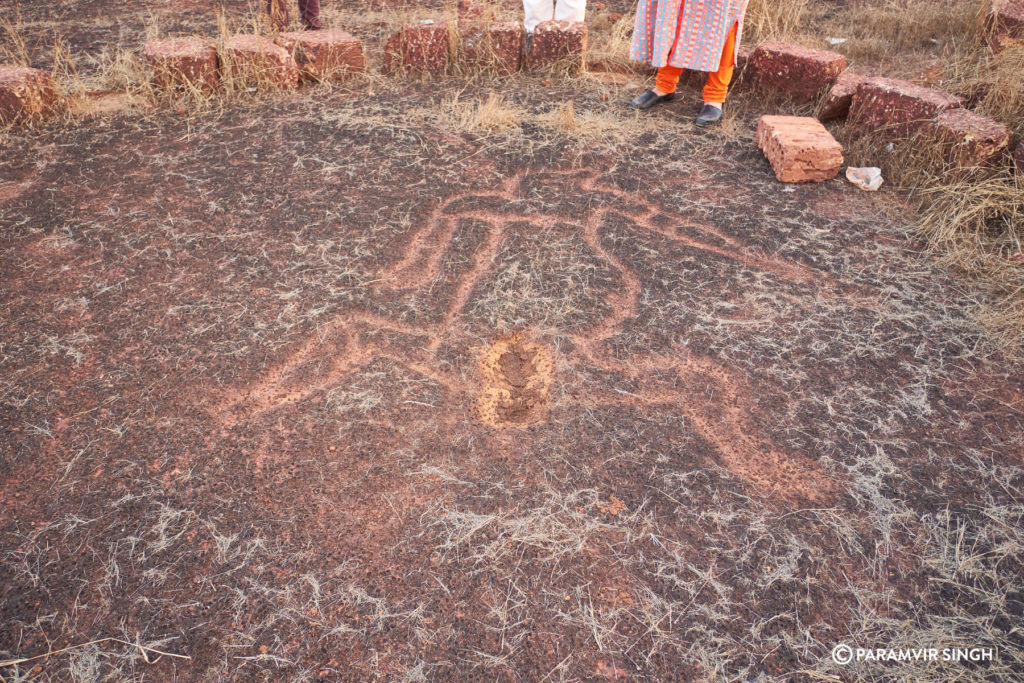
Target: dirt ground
{"x":334,"y":386}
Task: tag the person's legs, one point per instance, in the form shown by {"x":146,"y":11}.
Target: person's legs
{"x":310,"y":12}
{"x":536,"y":11}
{"x":570,"y":10}
{"x":668,"y":75}
{"x":665,"y":82}
{"x":717,"y":85}
{"x":667,"y":79}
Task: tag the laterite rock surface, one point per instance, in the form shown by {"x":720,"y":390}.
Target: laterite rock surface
{"x":421,"y":48}
{"x":182,"y":61}
{"x":25,"y":93}
{"x":325,"y":54}
{"x":558,"y":43}
{"x":798,"y":72}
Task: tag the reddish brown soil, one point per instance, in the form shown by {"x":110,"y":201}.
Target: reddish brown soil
{"x":306,"y":391}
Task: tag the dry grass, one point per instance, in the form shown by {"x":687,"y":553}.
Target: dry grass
{"x":595,"y":533}
{"x":995,"y":82}
{"x":13,"y":48}
{"x":492,"y":115}
{"x":769,"y":20}
{"x":563,"y":118}
{"x":888,"y":32}
{"x":608,"y":42}
{"x":977,"y":225}
{"x":971,"y":218}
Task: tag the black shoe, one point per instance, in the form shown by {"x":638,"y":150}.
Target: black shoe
{"x":708,"y":114}
{"x":649,"y":99}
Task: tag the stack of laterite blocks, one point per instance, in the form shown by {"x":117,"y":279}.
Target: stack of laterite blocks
{"x":793,"y":72}
{"x":558,"y":43}
{"x":498,"y":46}
{"x":281,"y":62}
{"x":327,"y":54}
{"x":425,"y":48}
{"x":1005,"y":23}
{"x":421,"y":48}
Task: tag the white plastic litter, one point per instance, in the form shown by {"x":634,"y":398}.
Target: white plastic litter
{"x":866,"y":178}
{"x":836,"y":41}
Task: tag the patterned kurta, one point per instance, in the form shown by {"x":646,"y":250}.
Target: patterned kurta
{"x":703,"y":28}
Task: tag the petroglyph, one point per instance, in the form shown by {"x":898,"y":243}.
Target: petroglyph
{"x":515,"y":373}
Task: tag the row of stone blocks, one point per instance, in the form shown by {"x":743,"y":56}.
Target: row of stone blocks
{"x":894,"y":109}
{"x":891,"y":108}
{"x":332,"y":53}
{"x":427,"y":48}
{"x":794,"y":72}
{"x":324,"y":54}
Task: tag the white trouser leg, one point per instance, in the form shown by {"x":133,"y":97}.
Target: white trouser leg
{"x":570,"y":10}
{"x":537,"y":11}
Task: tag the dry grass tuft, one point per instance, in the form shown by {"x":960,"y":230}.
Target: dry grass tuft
{"x":977,"y":224}
{"x":489,"y":116}
{"x":609,"y":47}
{"x":773,"y":19}
{"x":64,"y":70}
{"x":893,"y":34}
{"x":13,"y":48}
{"x":564,"y":118}
{"x":994,"y":82}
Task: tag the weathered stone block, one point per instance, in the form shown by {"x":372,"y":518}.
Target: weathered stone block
{"x":799,"y":73}
{"x":327,"y":54}
{"x":499,"y":46}
{"x":422,"y":48}
{"x":1006,"y":16}
{"x":177,"y":62}
{"x":971,"y":139}
{"x":799,"y":148}
{"x":836,"y":104}
{"x":896,"y":106}
{"x":25,"y":93}
{"x":257,"y":60}
{"x":561,"y":44}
